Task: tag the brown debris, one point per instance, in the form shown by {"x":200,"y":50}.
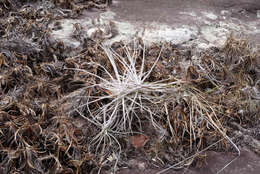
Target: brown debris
{"x":138,"y":141}
{"x":47,"y":127}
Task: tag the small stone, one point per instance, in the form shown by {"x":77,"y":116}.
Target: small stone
{"x":258,"y":13}
{"x":134,"y":163}
{"x":224,"y":12}
{"x":210,"y":15}
{"x":141,"y":166}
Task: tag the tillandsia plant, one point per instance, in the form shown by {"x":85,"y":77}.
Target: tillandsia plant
{"x":126,"y":94}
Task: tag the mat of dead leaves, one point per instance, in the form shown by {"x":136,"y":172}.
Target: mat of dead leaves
{"x":40,"y":133}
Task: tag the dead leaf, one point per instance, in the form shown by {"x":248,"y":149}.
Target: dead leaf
{"x":138,"y":141}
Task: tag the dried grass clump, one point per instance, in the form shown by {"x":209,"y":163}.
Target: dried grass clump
{"x":64,"y":8}
{"x":235,"y":71}
{"x":40,"y":143}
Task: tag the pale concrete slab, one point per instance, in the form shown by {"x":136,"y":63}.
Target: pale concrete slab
{"x":199,"y":23}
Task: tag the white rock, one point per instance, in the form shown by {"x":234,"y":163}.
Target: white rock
{"x":258,"y":13}
{"x":215,"y":35}
{"x":210,"y":15}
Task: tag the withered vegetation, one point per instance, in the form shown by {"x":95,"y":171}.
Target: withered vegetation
{"x":76,"y":114}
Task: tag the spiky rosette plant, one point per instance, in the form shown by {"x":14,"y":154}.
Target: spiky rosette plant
{"x":123,"y":96}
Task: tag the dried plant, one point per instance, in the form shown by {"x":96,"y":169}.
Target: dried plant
{"x":123,"y":97}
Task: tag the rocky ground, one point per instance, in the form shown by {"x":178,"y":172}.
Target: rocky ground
{"x":62,"y":112}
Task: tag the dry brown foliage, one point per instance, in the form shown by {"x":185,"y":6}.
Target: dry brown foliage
{"x":42,"y":131}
